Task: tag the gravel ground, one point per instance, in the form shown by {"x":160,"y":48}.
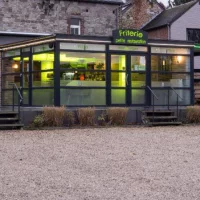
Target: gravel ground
{"x":101,"y":164}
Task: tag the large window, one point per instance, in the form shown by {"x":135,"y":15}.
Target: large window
{"x":86,"y":73}
{"x":171,"y":70}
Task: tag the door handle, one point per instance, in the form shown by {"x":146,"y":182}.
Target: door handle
{"x":127,"y":79}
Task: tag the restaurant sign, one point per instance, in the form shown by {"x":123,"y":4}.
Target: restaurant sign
{"x":130,"y":36}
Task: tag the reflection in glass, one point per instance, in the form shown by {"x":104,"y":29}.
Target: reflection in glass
{"x":77,"y":97}
{"x":170,"y":63}
{"x":118,"y":96}
{"x":83,"y":61}
{"x":43,"y":79}
{"x":118,"y":62}
{"x":25,"y":97}
{"x":163,"y":96}
{"x":170,"y":79}
{"x":11,"y":65}
{"x":83,"y":78}
{"x":118,"y":79}
{"x":138,"y":63}
{"x":138,"y":79}
{"x":138,"y":96}
{"x":6,"y":79}
{"x":42,"y":97}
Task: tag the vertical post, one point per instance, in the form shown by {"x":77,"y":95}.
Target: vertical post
{"x":19,"y":104}
{"x":168,"y":98}
{"x":177,"y":106}
{"x":13,"y":94}
{"x":153,"y":108}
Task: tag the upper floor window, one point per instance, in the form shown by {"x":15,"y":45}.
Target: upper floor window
{"x":75,"y":26}
{"x":193,"y":35}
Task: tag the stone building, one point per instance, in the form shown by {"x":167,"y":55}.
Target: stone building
{"x":137,"y":13}
{"x":87,"y":17}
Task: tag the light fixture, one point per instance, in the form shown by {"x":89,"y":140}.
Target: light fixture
{"x":178,"y":59}
{"x":15,"y":66}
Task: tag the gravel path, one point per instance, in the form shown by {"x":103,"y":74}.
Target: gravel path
{"x":101,"y":164}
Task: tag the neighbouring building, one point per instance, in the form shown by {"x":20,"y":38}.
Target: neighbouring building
{"x":39,"y":17}
{"x":180,"y":23}
{"x":136,"y":13}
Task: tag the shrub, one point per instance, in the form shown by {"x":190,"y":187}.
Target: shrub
{"x":54,"y":116}
{"x":69,"y":118}
{"x":117,"y":115}
{"x":193,"y":114}
{"x":86,"y":116}
{"x":38,"y":121}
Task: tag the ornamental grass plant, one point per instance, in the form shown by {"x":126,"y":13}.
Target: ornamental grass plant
{"x":193,"y":114}
{"x":54,"y":116}
{"x":86,"y":116}
{"x":117,"y":115}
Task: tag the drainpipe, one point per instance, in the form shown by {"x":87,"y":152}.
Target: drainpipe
{"x":169,"y":31}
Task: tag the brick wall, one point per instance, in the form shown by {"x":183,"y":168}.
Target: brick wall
{"x":141,"y":12}
{"x":52,"y":16}
{"x":160,"y":33}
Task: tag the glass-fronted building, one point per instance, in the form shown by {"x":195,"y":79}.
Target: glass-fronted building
{"x":94,"y":71}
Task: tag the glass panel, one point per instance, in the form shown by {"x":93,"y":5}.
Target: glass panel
{"x":127,"y":48}
{"x":7,"y":97}
{"x":138,"y":63}
{"x":118,"y":62}
{"x":25,"y":65}
{"x":25,"y":97}
{"x":77,"y":97}
{"x":42,"y":97}
{"x":170,"y":63}
{"x":14,"y":52}
{"x":118,"y":79}
{"x":26,"y":80}
{"x":83,"y":61}
{"x":10,"y":79}
{"x":79,"y":78}
{"x":163,"y":97}
{"x":27,"y":49}
{"x":43,"y":79}
{"x":138,"y":96}
{"x":165,"y":50}
{"x":43,"y":47}
{"x":118,"y":96}
{"x":11,"y":65}
{"x":83,"y":47}
{"x":170,"y":79}
{"x":138,"y":79}
{"x":44,"y":61}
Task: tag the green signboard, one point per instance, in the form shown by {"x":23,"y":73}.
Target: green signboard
{"x":130,"y":36}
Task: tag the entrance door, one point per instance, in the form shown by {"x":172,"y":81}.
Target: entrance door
{"x":128,"y":78}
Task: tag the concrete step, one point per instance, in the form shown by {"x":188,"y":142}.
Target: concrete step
{"x":161,"y":117}
{"x":11,"y":126}
{"x":164,"y":123}
{"x":9,"y":118}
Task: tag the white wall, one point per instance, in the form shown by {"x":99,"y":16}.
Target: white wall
{"x":191,"y":19}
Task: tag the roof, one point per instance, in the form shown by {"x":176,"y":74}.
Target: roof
{"x":103,"y":1}
{"x":168,"y":16}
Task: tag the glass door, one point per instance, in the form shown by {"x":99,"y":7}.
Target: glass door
{"x":119,"y":79}
{"x":128,"y":78}
{"x":138,"y":79}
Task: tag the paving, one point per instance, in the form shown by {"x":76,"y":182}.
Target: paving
{"x":132,"y":163}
